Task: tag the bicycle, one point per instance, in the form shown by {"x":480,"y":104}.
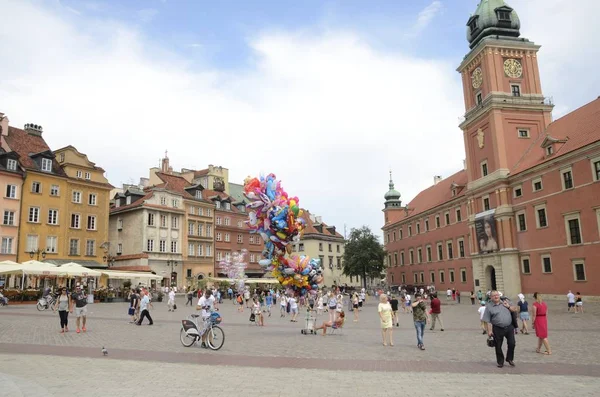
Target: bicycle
{"x":191,"y":334}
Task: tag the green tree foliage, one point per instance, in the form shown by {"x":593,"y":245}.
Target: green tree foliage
{"x":363,"y":254}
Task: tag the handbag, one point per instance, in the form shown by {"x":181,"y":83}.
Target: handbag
{"x":174,"y":306}
{"x":252,"y":316}
{"x":515,"y":321}
{"x":491,"y":342}
{"x":131,"y":311}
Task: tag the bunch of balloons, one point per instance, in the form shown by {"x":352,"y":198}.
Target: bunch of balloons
{"x":234,"y":267}
{"x":276,"y":217}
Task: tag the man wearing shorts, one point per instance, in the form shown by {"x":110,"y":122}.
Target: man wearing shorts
{"x":79,"y":298}
{"x":570,"y":302}
{"x":247,"y":297}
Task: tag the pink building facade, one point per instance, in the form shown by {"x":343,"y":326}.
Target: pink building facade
{"x":528,"y":196}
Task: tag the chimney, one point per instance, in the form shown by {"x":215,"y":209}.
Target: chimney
{"x":33,"y":129}
{"x":3,"y":124}
{"x":437,"y":179}
{"x":312,"y":218}
{"x":319,"y":219}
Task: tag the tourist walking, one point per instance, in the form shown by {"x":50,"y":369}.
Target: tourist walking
{"x":79,"y":299}
{"x":171,"y":301}
{"x":481,"y":311}
{"x":479,"y":295}
{"x":385,"y":315}
{"x":145,"y":304}
{"x":448,"y":294}
{"x":283,"y":306}
{"x":436,"y":312}
{"x":320,"y":304}
{"x":269,"y":302}
{"x":578,"y":303}
{"x":540,"y":322}
{"x":394,"y":304}
{"x":134,"y":301}
{"x":500,"y":325}
{"x":190,"y":296}
{"x":258,"y":314}
{"x":62,"y":304}
{"x":355,"y":306}
{"x":293,"y":308}
{"x":332,"y":305}
{"x":472,"y":296}
{"x":361,"y":298}
{"x":407,"y":303}
{"x":247,"y":296}
{"x":570,"y":302}
{"x":453,"y":294}
{"x":523,"y":313}
{"x":419,"y":310}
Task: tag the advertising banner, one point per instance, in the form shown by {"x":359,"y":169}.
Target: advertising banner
{"x":485,"y":229}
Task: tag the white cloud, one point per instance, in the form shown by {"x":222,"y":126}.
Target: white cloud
{"x":328,"y":113}
{"x":426,"y":16}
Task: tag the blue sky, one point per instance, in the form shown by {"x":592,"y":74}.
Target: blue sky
{"x":328,"y":95}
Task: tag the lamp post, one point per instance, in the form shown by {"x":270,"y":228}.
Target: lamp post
{"x":38,"y":252}
{"x":172,"y":263}
{"x":109,"y":259}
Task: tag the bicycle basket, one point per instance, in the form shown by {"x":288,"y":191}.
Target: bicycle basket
{"x":215,"y":318}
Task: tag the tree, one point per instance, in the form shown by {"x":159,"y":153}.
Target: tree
{"x":363,"y":255}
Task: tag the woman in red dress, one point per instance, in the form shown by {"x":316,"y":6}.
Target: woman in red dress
{"x":540,"y":323}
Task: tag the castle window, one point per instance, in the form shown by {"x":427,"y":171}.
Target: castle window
{"x":479,"y":98}
{"x":549,"y":150}
{"x":515,"y":89}
{"x":523,"y":133}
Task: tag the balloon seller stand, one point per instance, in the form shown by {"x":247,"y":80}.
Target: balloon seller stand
{"x":310,"y":323}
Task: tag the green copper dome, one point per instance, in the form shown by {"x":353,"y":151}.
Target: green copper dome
{"x":492,"y":18}
{"x":392,"y":197}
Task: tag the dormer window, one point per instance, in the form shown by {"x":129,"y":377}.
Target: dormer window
{"x":473,"y":25}
{"x":78,"y":174}
{"x":227,"y":206}
{"x":217,"y":204}
{"x":242,"y":208}
{"x":503,"y":15}
{"x":46,"y":165}
{"x":198,"y":194}
{"x":11,"y":165}
{"x":549,"y":150}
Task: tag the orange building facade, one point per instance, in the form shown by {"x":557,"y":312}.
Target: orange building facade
{"x":523,"y":215}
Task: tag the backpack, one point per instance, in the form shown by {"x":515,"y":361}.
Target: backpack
{"x":239,"y":299}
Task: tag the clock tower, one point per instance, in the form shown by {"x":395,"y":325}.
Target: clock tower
{"x":505,"y":114}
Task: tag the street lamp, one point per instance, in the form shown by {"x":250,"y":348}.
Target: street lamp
{"x":109,"y":260}
{"x":37,"y":253}
{"x":172,"y":263}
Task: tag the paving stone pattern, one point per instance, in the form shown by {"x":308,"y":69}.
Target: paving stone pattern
{"x":28,"y":337}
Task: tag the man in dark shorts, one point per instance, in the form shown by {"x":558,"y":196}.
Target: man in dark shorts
{"x":394,"y":303}
{"x":134,"y":302}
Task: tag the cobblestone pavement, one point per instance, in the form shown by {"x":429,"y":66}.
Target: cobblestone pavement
{"x":27,"y":336}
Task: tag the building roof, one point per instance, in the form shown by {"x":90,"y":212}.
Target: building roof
{"x":310,"y":228}
{"x":137,"y":203}
{"x":436,"y":195}
{"x":25,"y":144}
{"x":577,"y":129}
{"x":176,"y":184}
{"x":200,"y":173}
{"x":486,"y":22}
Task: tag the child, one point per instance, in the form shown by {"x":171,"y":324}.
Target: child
{"x":481,"y":310}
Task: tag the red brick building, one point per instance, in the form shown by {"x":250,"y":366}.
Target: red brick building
{"x":524,"y":214}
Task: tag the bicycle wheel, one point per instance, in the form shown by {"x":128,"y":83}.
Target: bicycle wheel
{"x":186,"y":339}
{"x":215,"y":337}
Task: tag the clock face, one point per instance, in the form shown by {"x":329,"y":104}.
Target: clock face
{"x":477,"y":78}
{"x":513,"y":68}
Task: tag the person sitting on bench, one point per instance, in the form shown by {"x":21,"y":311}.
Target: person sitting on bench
{"x":333,"y":324}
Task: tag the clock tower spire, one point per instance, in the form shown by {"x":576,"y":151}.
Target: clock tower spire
{"x":505,"y":108}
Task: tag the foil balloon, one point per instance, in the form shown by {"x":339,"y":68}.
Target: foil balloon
{"x":277,"y":219}
{"x":234,"y":267}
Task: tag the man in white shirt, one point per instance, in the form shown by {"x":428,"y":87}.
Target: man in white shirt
{"x":144,"y":304}
{"x":361,"y":298}
{"x":571,"y":301}
{"x":206,"y":304}
{"x":448,"y":294}
{"x":171,"y":302}
{"x":247,"y":297}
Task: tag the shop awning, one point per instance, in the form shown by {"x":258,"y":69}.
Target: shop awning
{"x":116,"y":275}
{"x":246,"y":281}
{"x":74,"y":269}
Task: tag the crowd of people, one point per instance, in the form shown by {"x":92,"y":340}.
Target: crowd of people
{"x":499,"y":317}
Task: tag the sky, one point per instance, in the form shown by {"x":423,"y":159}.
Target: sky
{"x":328,"y":95}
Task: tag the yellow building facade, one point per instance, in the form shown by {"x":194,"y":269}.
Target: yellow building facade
{"x":64,"y":201}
